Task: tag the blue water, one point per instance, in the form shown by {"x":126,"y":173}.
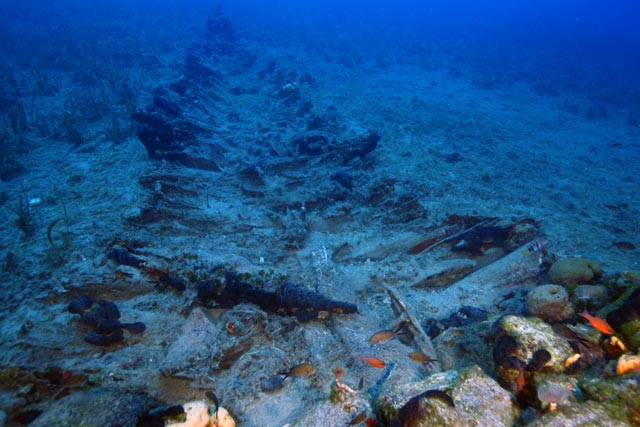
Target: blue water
{"x":582,"y":45}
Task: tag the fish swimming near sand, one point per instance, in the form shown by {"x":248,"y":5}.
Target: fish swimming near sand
{"x":211,"y":396}
{"x":598,"y":323}
{"x":521,"y":381}
{"x":418,"y":356}
{"x":373,"y":361}
{"x":357,"y":419}
{"x":385,"y":335}
{"x":535,"y":246}
{"x":301,"y":370}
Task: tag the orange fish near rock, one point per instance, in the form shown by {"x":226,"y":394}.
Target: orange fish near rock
{"x":421,"y":357}
{"x":598,"y":323}
{"x":386,"y":335}
{"x":358,"y":419}
{"x":373,"y":361}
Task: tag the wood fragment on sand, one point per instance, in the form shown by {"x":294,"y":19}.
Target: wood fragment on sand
{"x":420,"y":338}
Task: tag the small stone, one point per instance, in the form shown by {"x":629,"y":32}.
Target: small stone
{"x":80,"y":305}
{"x":104,"y":340}
{"x":550,"y":303}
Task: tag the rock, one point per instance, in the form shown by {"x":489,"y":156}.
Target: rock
{"x":478,"y":399}
{"x":586,"y":414}
{"x":326,"y":413}
{"x":620,"y":394}
{"x":592,"y":297}
{"x":531,"y":334}
{"x":395,"y":395}
{"x":483,"y":401}
{"x":623,"y":284}
{"x":626,"y":319}
{"x":574,"y":271}
{"x":198,"y":416}
{"x":550,"y":303}
{"x":99,"y":407}
{"x":465,"y":346}
{"x":190,"y":353}
{"x":80,"y":305}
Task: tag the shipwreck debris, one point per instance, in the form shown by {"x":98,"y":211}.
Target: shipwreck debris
{"x":287,"y":299}
{"x":412,"y":327}
{"x":104,"y":318}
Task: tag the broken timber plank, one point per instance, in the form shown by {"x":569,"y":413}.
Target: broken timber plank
{"x":420,"y":338}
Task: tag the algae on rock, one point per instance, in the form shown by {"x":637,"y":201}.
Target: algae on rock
{"x":478,"y":399}
{"x":574,"y":271}
{"x":533,"y":334}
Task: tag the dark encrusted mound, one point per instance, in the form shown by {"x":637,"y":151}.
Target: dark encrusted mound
{"x":343,"y":152}
{"x":416,"y":409}
{"x":364,"y":145}
{"x":162,"y":139}
{"x":287,"y":299}
{"x":220,"y":27}
{"x":167,"y":135}
{"x":104,"y":318}
{"x":462,"y":317}
{"x":312,"y":145}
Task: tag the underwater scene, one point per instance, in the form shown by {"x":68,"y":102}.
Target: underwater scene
{"x":319,"y":213}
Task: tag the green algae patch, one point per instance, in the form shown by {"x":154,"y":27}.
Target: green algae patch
{"x":620,"y":395}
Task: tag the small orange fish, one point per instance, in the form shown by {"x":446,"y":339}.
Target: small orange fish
{"x":418,"y":356}
{"x":373,"y":361}
{"x":520,"y":380}
{"x":386,"y":335}
{"x":370,"y":422}
{"x":598,"y":323}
